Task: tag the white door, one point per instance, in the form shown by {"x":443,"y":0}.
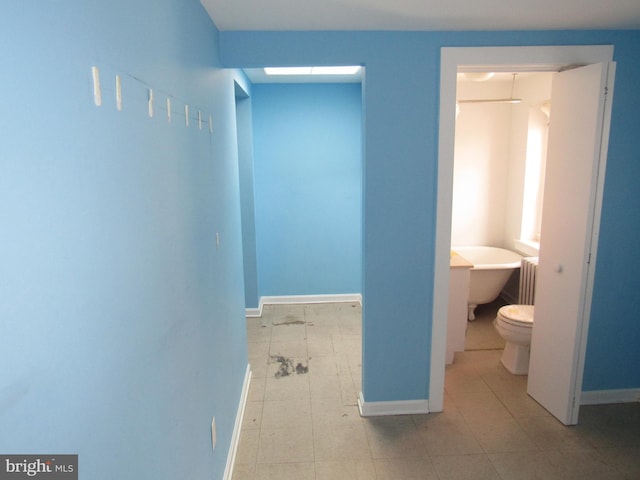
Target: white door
{"x":567,"y":233}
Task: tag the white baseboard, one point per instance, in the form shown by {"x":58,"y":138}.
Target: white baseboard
{"x":398,"y":407}
{"x":235,"y":438}
{"x":298,"y":299}
{"x":253,"y":312}
{"x":601,"y":397}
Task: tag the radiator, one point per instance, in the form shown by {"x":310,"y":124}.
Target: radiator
{"x":527,"y":291}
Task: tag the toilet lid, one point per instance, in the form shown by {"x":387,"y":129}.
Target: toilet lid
{"x":517,"y":314}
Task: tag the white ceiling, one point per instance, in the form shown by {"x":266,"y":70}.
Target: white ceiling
{"x":423,"y":14}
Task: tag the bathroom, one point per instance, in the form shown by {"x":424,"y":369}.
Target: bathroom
{"x":500,"y":151}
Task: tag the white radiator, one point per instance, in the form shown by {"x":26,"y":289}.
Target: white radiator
{"x":527,"y":292}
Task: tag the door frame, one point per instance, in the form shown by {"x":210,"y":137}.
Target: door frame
{"x":526,"y":58}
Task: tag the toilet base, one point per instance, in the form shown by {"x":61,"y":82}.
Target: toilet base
{"x":515,"y":358}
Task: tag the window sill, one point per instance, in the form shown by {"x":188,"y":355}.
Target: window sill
{"x":526,"y":247}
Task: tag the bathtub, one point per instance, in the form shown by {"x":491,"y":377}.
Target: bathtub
{"x":491,"y":270}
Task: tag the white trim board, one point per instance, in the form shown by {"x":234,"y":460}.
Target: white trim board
{"x":601,"y":397}
{"x":398,"y":407}
{"x":235,"y":437}
{"x":300,"y":299}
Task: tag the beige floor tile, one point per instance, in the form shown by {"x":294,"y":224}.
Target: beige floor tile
{"x":499,"y":379}
{"x":259,"y":349}
{"x":355,"y":364}
{"x":317,"y":331}
{"x":460,"y":380}
{"x":281,"y":313}
{"x":244,"y":471}
{"x":259,"y":359}
{"x":283,"y":332}
{"x":465,"y":467}
{"x":549,"y":434}
{"x":583,"y":464}
{"x":325,"y":387}
{"x":285,"y":471}
{"x":361,"y":469}
{"x":614,"y":425}
{"x":342,"y":364}
{"x":479,"y":405}
{"x":281,"y":445}
{"x":258,"y":334}
{"x":331,"y":412}
{"x":258,"y":370}
{"x":394,"y":437}
{"x":626,"y":460}
{"x":293,"y":387}
{"x":405,"y":469}
{"x":296,"y":348}
{"x":247,"y":453}
{"x":520,"y":404}
{"x":340,"y":442}
{"x":252,"y":418}
{"x":327,"y":365}
{"x":256,"y":389}
{"x":480,"y":361}
{"x":286,"y":414}
{"x":529,"y":466}
{"x":449,"y":437}
{"x":326,"y":314}
{"x":319,"y":345}
{"x":502,"y":435}
{"x":350,"y":386}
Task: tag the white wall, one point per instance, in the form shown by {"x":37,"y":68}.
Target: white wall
{"x":490,"y":151}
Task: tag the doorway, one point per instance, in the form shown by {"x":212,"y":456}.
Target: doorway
{"x":500,"y":151}
{"x":497,"y":58}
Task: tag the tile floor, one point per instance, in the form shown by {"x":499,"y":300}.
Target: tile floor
{"x":302,"y":421}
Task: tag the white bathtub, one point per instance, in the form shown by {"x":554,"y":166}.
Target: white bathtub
{"x":492,"y":267}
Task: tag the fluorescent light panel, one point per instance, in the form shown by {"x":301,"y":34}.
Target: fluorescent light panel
{"x":348,"y":70}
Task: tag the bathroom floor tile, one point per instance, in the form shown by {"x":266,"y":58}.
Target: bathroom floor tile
{"x":340,"y":442}
{"x":465,"y":467}
{"x":285,"y":471}
{"x":418,"y":468}
{"x":361,"y":469}
{"x":394,"y":437}
{"x":281,"y":445}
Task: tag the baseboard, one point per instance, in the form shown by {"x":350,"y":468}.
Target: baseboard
{"x":298,"y":299}
{"x":397,"y":407}
{"x":601,"y":397}
{"x":253,"y":312}
{"x":235,"y":438}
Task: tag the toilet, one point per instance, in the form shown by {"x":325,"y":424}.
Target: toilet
{"x":514,"y":323}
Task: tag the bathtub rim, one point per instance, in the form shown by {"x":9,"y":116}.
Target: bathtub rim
{"x":460,"y":249}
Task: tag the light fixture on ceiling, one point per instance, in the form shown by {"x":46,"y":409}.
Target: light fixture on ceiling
{"x":344,"y":70}
{"x":497,"y":100}
{"x":478,"y":76}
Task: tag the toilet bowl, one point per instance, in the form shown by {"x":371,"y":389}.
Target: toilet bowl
{"x":514,"y":323}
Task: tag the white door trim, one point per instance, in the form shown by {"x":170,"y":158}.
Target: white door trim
{"x":495,"y":58}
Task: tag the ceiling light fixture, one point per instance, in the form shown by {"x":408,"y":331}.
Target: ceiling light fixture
{"x":478,"y":76}
{"x":347,"y":70}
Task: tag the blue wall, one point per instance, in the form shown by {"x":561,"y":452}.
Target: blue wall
{"x":308,"y":188}
{"x":122,"y":325}
{"x":401,"y":98}
{"x":244,"y":121}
